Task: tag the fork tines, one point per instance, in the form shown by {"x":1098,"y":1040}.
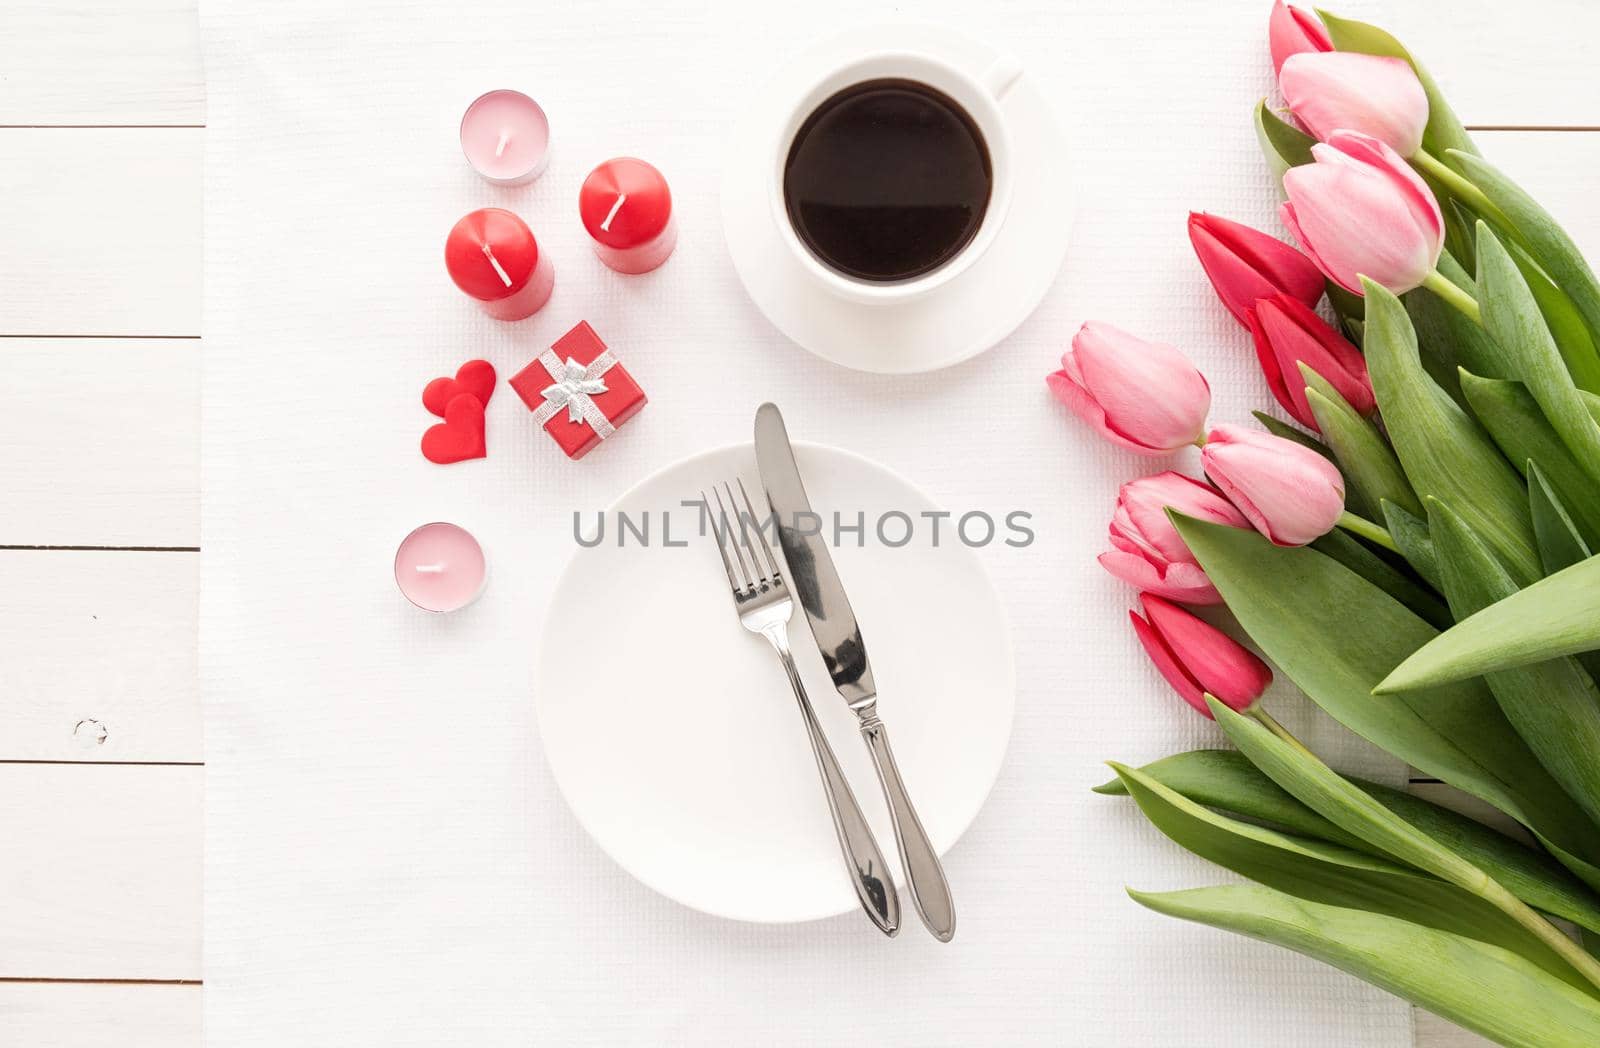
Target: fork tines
{"x":756,"y":578}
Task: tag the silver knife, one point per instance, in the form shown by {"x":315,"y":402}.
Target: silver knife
{"x":838,"y":637}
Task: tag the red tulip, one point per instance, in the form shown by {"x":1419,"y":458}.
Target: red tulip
{"x":1146,"y":550}
{"x":1198,"y":659}
{"x":1286,"y":334}
{"x":1290,"y":493}
{"x":1246,"y":265}
{"x":1292,"y":31}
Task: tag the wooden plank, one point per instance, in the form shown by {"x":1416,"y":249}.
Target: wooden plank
{"x":1499,"y":63}
{"x":100,"y":652}
{"x":100,"y":872}
{"x":99,"y":1015}
{"x":101,"y":62}
{"x":102,"y":231}
{"x":138,"y":61}
{"x":100,"y":443}
{"x":1556,"y":167}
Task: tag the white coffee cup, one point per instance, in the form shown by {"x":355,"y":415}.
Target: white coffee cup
{"x":979,"y":95}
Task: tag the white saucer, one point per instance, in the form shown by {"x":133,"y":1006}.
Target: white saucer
{"x":674,"y":736}
{"x":955,"y":323}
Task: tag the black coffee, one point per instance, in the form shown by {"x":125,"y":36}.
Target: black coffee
{"x":887,"y":180}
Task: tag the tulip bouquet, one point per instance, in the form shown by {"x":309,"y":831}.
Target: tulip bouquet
{"x":1416,"y":555}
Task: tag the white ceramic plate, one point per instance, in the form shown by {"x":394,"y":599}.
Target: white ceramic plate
{"x":975,"y":310}
{"x":673,"y":733}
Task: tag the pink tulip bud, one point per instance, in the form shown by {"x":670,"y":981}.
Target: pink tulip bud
{"x":1286,"y":334}
{"x":1361,"y":211}
{"x":1291,"y":31}
{"x":1146,"y":550}
{"x":1146,"y":396}
{"x":1196,"y":658}
{"x":1349,"y":91}
{"x":1290,"y":493}
{"x":1246,"y":265}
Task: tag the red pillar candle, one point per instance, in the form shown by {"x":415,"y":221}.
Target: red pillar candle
{"x":627,"y":209}
{"x":492,"y":256}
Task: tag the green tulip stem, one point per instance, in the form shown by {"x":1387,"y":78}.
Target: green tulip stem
{"x":1440,"y":285}
{"x":1461,"y":188}
{"x":1367,"y":530}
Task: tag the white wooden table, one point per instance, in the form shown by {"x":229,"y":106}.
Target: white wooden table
{"x":102,"y":119}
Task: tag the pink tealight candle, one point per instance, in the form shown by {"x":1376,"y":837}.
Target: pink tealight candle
{"x":440,"y":567}
{"x":506,"y":137}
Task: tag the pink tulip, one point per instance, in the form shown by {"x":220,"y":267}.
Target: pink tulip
{"x":1146,"y":550}
{"x":1196,"y":658}
{"x":1286,"y":334}
{"x":1246,"y":265}
{"x":1361,"y":211}
{"x":1146,"y":396}
{"x":1349,"y":91}
{"x":1290,"y":493}
{"x":1291,"y":31}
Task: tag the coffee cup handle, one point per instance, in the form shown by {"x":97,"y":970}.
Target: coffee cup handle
{"x":1002,"y":73}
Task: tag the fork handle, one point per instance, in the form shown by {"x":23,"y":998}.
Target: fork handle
{"x":930,"y":892}
{"x":869,"y":873}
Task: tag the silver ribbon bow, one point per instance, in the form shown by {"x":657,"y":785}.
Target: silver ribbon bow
{"x":573,"y":389}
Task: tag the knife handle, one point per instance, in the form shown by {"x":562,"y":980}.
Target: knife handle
{"x":930,"y":892}
{"x":869,"y":873}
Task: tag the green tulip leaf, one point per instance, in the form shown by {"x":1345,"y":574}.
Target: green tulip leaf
{"x":1549,"y":244}
{"x":1560,"y":543}
{"x":1365,"y":458}
{"x":1512,"y":417}
{"x":1333,"y":874}
{"x":1553,"y":705}
{"x":1330,"y":795}
{"x":1484,"y":988}
{"x":1360,"y":558}
{"x":1447,"y":339}
{"x":1571,"y":334}
{"x":1336,"y":636}
{"x":1444,"y":131}
{"x":1512,"y":317}
{"x":1226,"y":780}
{"x":1410,"y":533}
{"x":1444,"y":452}
{"x":1283,"y":144}
{"x":1458,"y":220}
{"x":1558,"y":615}
{"x":1279,"y":428}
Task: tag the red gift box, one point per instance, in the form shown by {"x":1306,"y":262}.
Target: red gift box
{"x":578,"y":391}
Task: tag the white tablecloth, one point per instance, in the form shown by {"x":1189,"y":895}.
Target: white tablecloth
{"x":388,"y":861}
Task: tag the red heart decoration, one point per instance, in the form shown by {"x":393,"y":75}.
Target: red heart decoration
{"x":460,"y":435}
{"x":475,"y":377}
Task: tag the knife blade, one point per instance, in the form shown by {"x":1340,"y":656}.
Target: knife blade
{"x":822,"y":596}
{"x":838,"y":635}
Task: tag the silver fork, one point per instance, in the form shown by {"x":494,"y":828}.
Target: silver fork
{"x":762,"y":600}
